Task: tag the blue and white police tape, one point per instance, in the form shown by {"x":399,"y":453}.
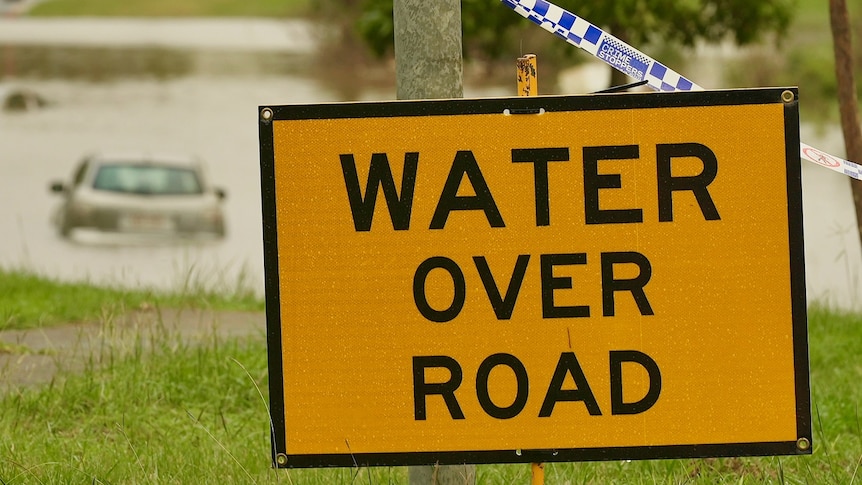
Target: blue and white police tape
{"x":824,"y":159}
{"x":625,"y":58}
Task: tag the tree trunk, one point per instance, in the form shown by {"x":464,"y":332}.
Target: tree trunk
{"x":839,"y":19}
{"x":428,"y":65}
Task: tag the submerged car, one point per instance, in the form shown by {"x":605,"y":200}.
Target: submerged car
{"x":140,"y":194}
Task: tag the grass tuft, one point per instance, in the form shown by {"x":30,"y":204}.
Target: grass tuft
{"x":28,"y":300}
{"x":170,"y":411}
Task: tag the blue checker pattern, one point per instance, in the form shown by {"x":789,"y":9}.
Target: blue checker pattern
{"x":604,"y":46}
{"x":852,"y":169}
{"x":664,"y":79}
{"x":542,"y":7}
{"x":658,"y":70}
{"x":593,"y":34}
{"x":561,"y":22}
{"x":567,"y":21}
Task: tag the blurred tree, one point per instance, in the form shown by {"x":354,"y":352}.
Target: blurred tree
{"x":491,"y":31}
{"x":848,"y":105}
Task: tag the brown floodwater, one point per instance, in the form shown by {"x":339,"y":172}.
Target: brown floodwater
{"x":157,"y":100}
{"x":204,"y":102}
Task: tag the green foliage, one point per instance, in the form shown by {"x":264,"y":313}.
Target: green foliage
{"x":805,"y":59}
{"x":686,"y":21}
{"x":489,"y":28}
{"x":375,"y":26}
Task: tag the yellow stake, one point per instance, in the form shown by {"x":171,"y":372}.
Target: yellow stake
{"x":528,"y":85}
{"x":528,"y":80}
{"x":538,"y":474}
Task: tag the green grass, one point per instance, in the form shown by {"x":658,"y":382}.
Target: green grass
{"x":197,"y":414}
{"x":171,"y":8}
{"x":28,"y":300}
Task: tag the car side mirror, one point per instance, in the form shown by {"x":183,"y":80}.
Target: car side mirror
{"x":58,"y":187}
{"x":220,"y":193}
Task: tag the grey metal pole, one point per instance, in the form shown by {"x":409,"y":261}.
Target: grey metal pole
{"x":443,"y":475}
{"x":429,"y":65}
{"x":428,"y":57}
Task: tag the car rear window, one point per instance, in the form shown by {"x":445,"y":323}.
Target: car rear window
{"x":147,"y":179}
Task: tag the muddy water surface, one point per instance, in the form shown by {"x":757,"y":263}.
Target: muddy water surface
{"x":156,"y":100}
{"x":204,"y":102}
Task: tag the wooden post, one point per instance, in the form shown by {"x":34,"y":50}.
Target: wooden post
{"x":528,"y":81}
{"x":429,"y":65}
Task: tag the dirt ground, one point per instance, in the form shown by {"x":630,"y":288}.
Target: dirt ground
{"x":38,"y":356}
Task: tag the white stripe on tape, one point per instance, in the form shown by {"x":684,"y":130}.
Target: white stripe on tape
{"x":625,"y":58}
{"x":824,"y":159}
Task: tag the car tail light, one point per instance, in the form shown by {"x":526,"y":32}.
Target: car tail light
{"x":212,"y":216}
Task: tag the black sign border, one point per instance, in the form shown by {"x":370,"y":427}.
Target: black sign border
{"x":281,"y":458}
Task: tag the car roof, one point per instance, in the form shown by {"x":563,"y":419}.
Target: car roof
{"x":144,"y":157}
